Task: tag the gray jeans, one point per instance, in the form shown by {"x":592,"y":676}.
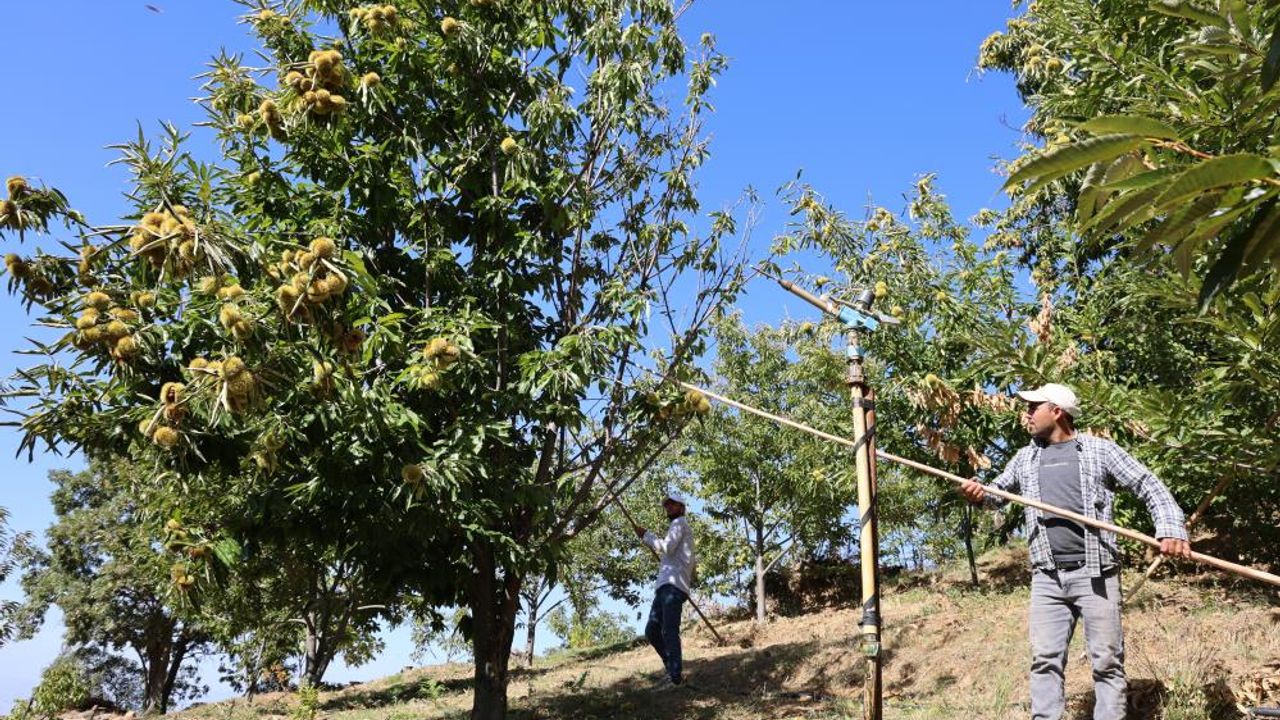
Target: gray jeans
{"x":1058,"y":599}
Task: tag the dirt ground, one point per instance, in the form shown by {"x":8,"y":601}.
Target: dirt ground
{"x":1194,"y":649}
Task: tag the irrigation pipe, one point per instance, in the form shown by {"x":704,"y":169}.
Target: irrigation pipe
{"x":1241,"y":570}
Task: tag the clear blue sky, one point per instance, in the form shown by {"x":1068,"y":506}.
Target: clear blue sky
{"x":863,"y":96}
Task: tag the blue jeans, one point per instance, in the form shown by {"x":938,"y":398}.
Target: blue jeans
{"x":663,"y":629}
{"x":1059,"y":599}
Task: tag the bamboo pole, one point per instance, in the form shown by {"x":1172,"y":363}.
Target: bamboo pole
{"x":636,"y":526}
{"x":1241,"y":570}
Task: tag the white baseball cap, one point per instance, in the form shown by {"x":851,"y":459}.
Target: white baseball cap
{"x":1059,"y":395}
{"x":675,"y":495}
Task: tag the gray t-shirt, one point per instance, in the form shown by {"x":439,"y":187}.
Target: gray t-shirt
{"x":1060,"y":487}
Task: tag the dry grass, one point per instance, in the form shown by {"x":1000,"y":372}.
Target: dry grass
{"x":951,"y":651}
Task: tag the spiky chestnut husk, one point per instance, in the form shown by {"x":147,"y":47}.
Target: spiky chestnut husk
{"x":323,"y":247}
{"x":229,"y":315}
{"x":16,"y":266}
{"x":171,"y":393}
{"x":412,"y":473}
{"x":233,"y":366}
{"x":240,"y":386}
{"x":335,"y":284}
{"x":126,"y":347}
{"x":434,"y":348}
{"x":87,"y":319}
{"x":97,"y":300}
{"x":321,"y":373}
{"x":116,"y":329}
{"x":287,"y":297}
{"x":9,"y":216}
{"x":429,"y":379}
{"x":17,"y":186}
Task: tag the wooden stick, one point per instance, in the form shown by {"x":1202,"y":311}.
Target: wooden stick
{"x":636,"y":526}
{"x":1241,"y":570}
{"x":1191,"y":521}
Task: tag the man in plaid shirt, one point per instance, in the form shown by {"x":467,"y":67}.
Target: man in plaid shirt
{"x":1075,"y":569}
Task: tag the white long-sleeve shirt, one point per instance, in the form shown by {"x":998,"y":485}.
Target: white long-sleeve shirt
{"x":675,"y":553}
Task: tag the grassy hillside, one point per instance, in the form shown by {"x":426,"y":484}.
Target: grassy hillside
{"x":1195,"y":648}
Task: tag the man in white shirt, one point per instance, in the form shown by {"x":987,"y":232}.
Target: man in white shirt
{"x":675,"y":573}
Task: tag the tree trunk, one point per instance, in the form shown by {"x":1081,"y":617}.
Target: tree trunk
{"x":968,"y":544}
{"x":317,"y":656}
{"x":494,"y":604}
{"x":761,"y":610}
{"x":530,"y":633}
{"x":178,"y":654}
{"x":153,"y":696}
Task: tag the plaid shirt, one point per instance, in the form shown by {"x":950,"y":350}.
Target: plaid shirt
{"x":1103,"y":465}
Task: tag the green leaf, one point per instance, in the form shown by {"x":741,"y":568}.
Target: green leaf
{"x":1087,"y":202}
{"x":1212,"y":226}
{"x":1120,"y":210}
{"x":1227,"y":267}
{"x":1177,"y":225}
{"x":1146,"y":179}
{"x":1238,"y":13}
{"x":1069,"y":158}
{"x":227,"y":551}
{"x":1215,"y":172}
{"x":1125,"y":166}
{"x":1271,"y":66}
{"x":1129,"y":124}
{"x":1189,"y":11}
{"x":1263,"y":241}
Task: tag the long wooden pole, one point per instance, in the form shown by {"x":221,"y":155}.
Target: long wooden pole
{"x":636,"y":526}
{"x":1191,"y":522}
{"x":1241,"y":570}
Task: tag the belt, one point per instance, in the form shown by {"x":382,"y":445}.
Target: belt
{"x":1070,"y":565}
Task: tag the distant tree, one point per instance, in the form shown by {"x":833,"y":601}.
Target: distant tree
{"x":13,"y":547}
{"x":770,"y":489}
{"x":586,"y":625}
{"x":117,"y":586}
{"x":441,"y":633}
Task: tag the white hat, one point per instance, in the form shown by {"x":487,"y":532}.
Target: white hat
{"x":1059,"y":395}
{"x":675,"y":495}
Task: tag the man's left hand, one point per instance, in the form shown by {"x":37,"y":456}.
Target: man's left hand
{"x":640,"y":532}
{"x":1175,"y":547}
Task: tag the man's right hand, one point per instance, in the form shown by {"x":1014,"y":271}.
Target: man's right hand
{"x":972,"y":491}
